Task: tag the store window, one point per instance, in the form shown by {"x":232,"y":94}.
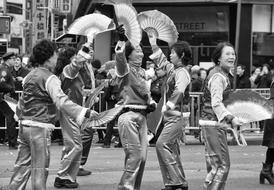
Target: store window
{"x":263,"y":35}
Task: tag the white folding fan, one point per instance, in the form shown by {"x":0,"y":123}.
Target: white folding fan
{"x":103,"y":117}
{"x":160,"y":24}
{"x":90,"y":25}
{"x":248,"y":105}
{"x":127,"y":16}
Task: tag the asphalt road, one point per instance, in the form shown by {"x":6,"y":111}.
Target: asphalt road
{"x":107,"y":164}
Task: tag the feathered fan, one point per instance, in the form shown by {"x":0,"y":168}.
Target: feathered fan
{"x":249,"y":106}
{"x":93,"y":94}
{"x":160,"y":24}
{"x":127,"y":15}
{"x":11,"y":102}
{"x":103,"y":117}
{"x":90,"y":25}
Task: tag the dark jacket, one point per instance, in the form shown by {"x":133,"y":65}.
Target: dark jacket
{"x":268,"y":138}
{"x":243,"y":82}
{"x":6,"y":81}
{"x":263,"y":81}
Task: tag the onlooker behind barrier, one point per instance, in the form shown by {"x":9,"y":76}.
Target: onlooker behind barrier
{"x":264,"y":78}
{"x":242,"y":78}
{"x":7,"y":86}
{"x":255,"y":73}
{"x":18,"y":72}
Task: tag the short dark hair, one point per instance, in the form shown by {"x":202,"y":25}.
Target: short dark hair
{"x":96,"y":63}
{"x":64,"y":58}
{"x":242,"y":66}
{"x":183,"y":47}
{"x":218,"y":51}
{"x":42,"y":51}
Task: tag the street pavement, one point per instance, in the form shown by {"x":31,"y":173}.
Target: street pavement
{"x":107,"y":165}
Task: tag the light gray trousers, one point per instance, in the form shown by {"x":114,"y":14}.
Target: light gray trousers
{"x":217,"y":157}
{"x":168,"y":151}
{"x":72,"y":150}
{"x":33,"y":158}
{"x":133,"y":133}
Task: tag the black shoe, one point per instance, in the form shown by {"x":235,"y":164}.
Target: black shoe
{"x":65,"y":183}
{"x":118,"y":145}
{"x":83,"y":172}
{"x":106,"y":146}
{"x":176,"y":187}
{"x":100,"y":141}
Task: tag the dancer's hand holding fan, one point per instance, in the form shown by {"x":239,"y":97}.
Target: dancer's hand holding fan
{"x":126,"y":15}
{"x":248,"y":106}
{"x":158,"y":24}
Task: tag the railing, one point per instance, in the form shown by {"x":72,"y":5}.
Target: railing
{"x":195,"y":109}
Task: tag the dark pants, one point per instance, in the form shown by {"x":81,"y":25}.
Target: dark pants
{"x":7,"y":112}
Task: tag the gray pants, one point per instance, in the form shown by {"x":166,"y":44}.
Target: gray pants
{"x":168,"y":151}
{"x":72,"y":150}
{"x":217,"y":157}
{"x":133,"y":133}
{"x":33,"y":158}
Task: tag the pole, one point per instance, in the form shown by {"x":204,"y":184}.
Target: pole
{"x":238,"y":24}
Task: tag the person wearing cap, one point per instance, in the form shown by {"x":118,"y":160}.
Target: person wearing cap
{"x":7,"y":87}
{"x":37,"y":110}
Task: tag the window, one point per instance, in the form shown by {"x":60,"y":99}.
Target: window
{"x":15,"y":8}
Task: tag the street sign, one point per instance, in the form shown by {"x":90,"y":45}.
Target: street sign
{"x":65,"y":6}
{"x":5,"y":24}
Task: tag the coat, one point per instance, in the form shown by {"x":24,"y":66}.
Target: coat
{"x":268,"y":138}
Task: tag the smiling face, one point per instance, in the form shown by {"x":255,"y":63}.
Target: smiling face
{"x":227,"y":58}
{"x":137,"y":54}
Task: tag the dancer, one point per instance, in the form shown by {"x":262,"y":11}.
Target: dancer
{"x":216,"y":89}
{"x":67,"y":68}
{"x":176,"y":89}
{"x":268,"y":141}
{"x":132,"y":123}
{"x":42,"y":93}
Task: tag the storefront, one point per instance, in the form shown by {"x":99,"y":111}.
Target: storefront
{"x":204,"y":23}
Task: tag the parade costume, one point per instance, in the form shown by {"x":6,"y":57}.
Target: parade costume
{"x":42,"y":93}
{"x":216,"y":89}
{"x":167,"y":145}
{"x":132,"y":124}
{"x":72,"y":85}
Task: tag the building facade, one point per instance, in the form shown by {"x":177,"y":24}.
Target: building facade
{"x":204,"y":23}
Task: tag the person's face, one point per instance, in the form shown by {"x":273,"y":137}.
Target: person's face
{"x":257,"y":71}
{"x":227,"y":58}
{"x":240,"y":71}
{"x":18,"y":62}
{"x":203,"y":74}
{"x":137,"y":54}
{"x":11,"y":61}
{"x":52,"y":62}
{"x":265,"y":70}
{"x":174,"y":57}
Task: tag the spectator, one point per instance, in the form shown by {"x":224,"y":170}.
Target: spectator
{"x":254,"y":76}
{"x":264,"y":78}
{"x":242,"y":79}
{"x":196,"y":82}
{"x":7,"y":86}
{"x":18,"y":72}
